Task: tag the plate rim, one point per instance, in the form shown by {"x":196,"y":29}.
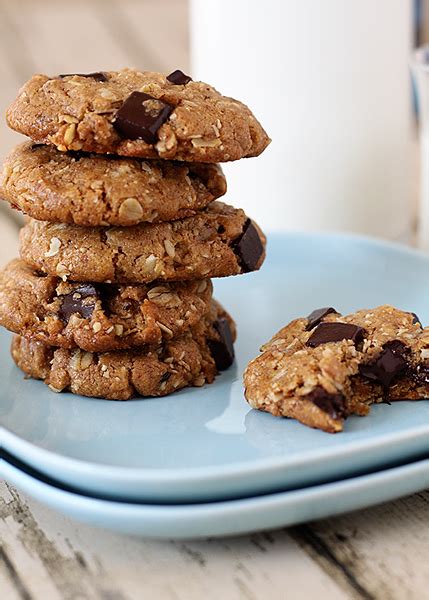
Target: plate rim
{"x":212,"y":473}
{"x":159,"y":520}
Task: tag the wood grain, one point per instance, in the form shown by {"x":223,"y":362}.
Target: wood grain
{"x":62,"y":559}
{"x":378,"y":553}
{"x":382,"y":549}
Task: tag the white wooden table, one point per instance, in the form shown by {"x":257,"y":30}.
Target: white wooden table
{"x":379,"y":553}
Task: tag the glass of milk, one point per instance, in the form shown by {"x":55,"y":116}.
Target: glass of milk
{"x":330,"y":83}
{"x":420,"y":68}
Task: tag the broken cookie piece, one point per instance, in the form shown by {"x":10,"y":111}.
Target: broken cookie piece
{"x":322,"y":368}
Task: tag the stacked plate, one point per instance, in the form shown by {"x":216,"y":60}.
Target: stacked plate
{"x":201,"y":462}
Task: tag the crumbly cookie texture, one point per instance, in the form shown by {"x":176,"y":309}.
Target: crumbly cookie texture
{"x":91,"y":190}
{"x":189,"y":360}
{"x":217,"y":242}
{"x":134,"y":113}
{"x":98,"y":317}
{"x":325,"y":367}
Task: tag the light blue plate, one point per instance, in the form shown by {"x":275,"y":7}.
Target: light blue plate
{"x":228,"y":517}
{"x":206,"y":444}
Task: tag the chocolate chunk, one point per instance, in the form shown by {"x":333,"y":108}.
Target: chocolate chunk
{"x":222,"y":350}
{"x":178,"y":77}
{"x":421,"y":375}
{"x":416,"y":319}
{"x":140,"y":116}
{"x":317,"y":315}
{"x":335,"y":332}
{"x":248,"y":247}
{"x":332,"y":404}
{"x":34,"y":146}
{"x":73,"y":303}
{"x":97,"y":76}
{"x":107,"y":293}
{"x":390,"y":363}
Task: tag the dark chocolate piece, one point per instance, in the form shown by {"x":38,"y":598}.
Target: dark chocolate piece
{"x":332,"y":404}
{"x":222,"y":350}
{"x":317,"y":315}
{"x":390,"y":363}
{"x":421,"y":375}
{"x":140,"y":116}
{"x":178,"y":77}
{"x":107,"y":292}
{"x":72,"y":303}
{"x":335,"y":332}
{"x":100,"y":76}
{"x":416,"y":319}
{"x":248,"y":247}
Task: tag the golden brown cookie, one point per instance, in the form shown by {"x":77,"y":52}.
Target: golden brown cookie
{"x":135,"y":113}
{"x":217,"y":242}
{"x":90,"y":189}
{"x":189,"y":360}
{"x":98,"y":317}
{"x":322,"y":368}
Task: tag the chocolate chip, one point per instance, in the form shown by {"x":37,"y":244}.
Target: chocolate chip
{"x":421,"y":375}
{"x":317,"y":315}
{"x":332,"y":404}
{"x":97,"y":76}
{"x":73,"y":302}
{"x":178,"y":77}
{"x":222,"y":350}
{"x":140,"y":116}
{"x":34,"y":146}
{"x":335,"y":332}
{"x":388,"y":365}
{"x":248,"y":247}
{"x":416,"y":319}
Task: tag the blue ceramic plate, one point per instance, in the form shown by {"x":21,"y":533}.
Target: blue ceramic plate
{"x":228,"y":517}
{"x":206,"y":443}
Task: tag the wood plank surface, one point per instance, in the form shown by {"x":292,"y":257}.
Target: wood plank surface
{"x":379,"y":553}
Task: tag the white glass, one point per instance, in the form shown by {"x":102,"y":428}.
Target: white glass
{"x":330,"y":83}
{"x":420,"y":67}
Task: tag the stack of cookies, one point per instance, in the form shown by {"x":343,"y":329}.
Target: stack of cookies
{"x":112,"y":296}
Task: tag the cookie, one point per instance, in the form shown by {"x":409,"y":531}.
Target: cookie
{"x":217,"y":242}
{"x":91,"y":190}
{"x":189,"y":360}
{"x":134,"y":113}
{"x":98,"y":317}
{"x":325,"y":367}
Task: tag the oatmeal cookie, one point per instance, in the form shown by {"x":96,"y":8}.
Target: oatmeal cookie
{"x":138,"y":114}
{"x":217,"y":242}
{"x":98,"y":317}
{"x":91,"y":190}
{"x":325,"y":367}
{"x":192,"y":359}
